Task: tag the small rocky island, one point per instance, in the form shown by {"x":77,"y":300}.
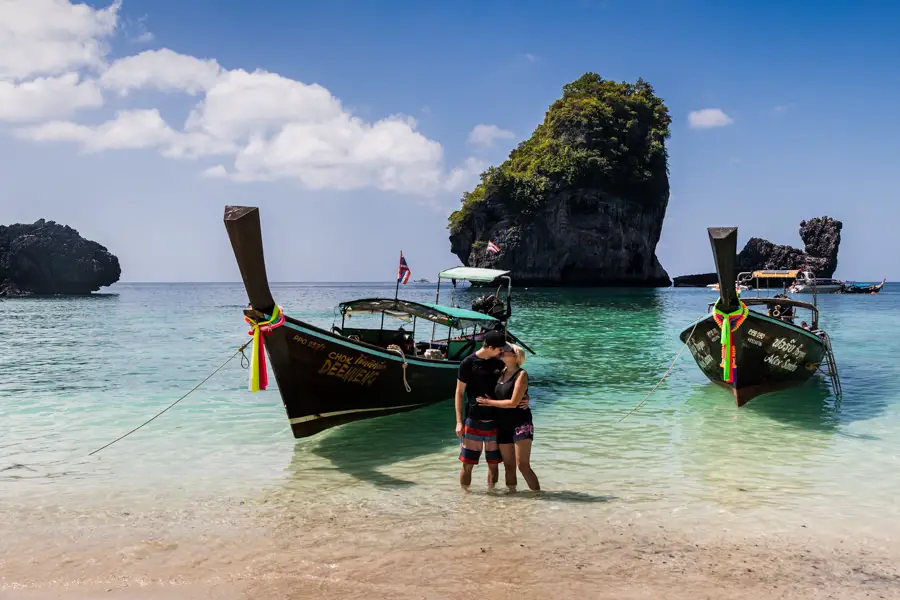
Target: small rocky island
{"x":582,"y":201}
{"x":821,"y":238}
{"x":46,"y":258}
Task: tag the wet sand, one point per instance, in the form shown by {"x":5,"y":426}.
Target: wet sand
{"x":288,"y":547}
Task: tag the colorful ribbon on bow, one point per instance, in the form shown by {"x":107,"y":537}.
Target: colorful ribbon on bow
{"x":735,"y":320}
{"x":259,"y":378}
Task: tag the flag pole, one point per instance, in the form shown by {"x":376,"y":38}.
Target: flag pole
{"x":397,"y":287}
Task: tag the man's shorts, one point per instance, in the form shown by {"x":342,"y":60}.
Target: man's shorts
{"x":478,"y":435}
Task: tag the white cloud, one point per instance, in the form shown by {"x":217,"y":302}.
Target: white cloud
{"x":465,"y":176}
{"x":242,"y":104}
{"x":345,"y":153}
{"x":47,"y":97}
{"x":784,"y":107}
{"x":274,"y":127}
{"x":136,"y":30}
{"x":486,"y":135}
{"x":530,"y":57}
{"x":215,"y":172}
{"x":50,"y":37}
{"x":43,"y":44}
{"x":708,"y":118}
{"x":130,"y":129}
{"x":268,"y":126}
{"x":161,"y":70}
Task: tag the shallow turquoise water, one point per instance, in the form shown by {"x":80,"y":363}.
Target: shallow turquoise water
{"x":76,"y":373}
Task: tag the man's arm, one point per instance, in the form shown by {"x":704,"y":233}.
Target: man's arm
{"x":460,"y":394}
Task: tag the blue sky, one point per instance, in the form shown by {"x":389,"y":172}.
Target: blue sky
{"x":809,"y":91}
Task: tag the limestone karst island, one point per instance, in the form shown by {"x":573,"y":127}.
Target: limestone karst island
{"x":582,"y":201}
{"x":46,"y":258}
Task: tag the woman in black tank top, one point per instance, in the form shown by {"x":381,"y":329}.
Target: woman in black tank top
{"x":515,"y":427}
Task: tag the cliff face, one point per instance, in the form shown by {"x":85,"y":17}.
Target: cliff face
{"x":48,"y":258}
{"x":821,"y":238}
{"x":578,"y":237}
{"x":582,"y":201}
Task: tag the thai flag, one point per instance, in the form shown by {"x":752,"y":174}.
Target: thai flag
{"x":403,"y":271}
{"x":492,"y":247}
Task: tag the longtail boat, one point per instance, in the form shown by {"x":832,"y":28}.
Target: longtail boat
{"x":859,"y":288}
{"x":753,"y":352}
{"x":328,"y":377}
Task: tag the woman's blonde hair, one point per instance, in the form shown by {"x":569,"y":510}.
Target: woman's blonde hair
{"x":520,"y":354}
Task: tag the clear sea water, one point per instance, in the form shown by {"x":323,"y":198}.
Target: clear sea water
{"x":77,"y":372}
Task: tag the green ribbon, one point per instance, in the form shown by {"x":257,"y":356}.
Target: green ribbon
{"x":728,"y":323}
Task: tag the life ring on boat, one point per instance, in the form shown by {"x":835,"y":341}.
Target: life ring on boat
{"x":353,"y":338}
{"x":776,"y":311}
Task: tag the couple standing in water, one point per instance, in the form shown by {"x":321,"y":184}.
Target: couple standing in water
{"x":492,"y":412}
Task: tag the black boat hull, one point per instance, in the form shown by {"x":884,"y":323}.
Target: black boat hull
{"x":326,"y":380}
{"x":770,"y":355}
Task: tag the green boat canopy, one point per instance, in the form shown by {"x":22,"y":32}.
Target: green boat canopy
{"x":405,"y":310}
{"x":472,"y":274}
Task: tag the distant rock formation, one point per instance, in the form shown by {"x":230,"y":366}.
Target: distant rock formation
{"x":582,"y":201}
{"x":47,"y":258}
{"x":821,"y":238}
{"x":697,"y":280}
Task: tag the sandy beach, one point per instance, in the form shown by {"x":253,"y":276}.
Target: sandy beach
{"x":276,"y":550}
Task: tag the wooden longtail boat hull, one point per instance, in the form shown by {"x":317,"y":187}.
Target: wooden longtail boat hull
{"x":326,"y":380}
{"x":770,"y":355}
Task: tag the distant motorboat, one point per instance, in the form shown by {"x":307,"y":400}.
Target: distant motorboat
{"x":740,"y":287}
{"x":808,"y":283}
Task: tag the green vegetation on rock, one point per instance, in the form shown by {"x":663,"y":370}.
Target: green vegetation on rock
{"x":601,"y":134}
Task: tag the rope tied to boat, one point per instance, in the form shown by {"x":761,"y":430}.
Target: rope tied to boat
{"x":666,"y":374}
{"x":191,"y":391}
{"x":734,"y":319}
{"x":399,"y":350}
{"x":259,"y":378}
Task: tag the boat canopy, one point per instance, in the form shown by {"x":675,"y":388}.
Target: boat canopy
{"x":775,"y":274}
{"x":472,"y":274}
{"x":450,"y":316}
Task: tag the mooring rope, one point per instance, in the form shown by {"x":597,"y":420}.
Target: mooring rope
{"x":666,"y":374}
{"x":399,"y":350}
{"x":220,"y":367}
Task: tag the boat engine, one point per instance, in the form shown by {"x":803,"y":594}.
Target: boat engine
{"x":489,"y":305}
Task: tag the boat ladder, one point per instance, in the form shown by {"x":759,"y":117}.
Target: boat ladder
{"x":830,"y":369}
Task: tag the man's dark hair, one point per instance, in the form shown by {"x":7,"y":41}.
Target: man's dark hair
{"x":494,"y":339}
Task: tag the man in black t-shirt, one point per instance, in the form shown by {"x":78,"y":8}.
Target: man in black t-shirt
{"x":478,"y":374}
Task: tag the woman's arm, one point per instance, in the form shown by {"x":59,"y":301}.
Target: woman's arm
{"x":518,"y":392}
